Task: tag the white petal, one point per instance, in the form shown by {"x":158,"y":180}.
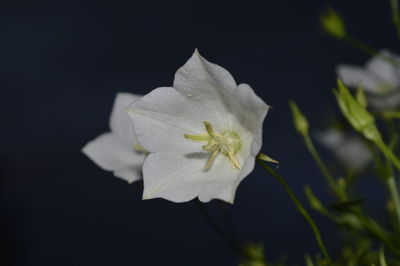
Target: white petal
{"x":119,"y":120}
{"x":389,"y":101}
{"x":354,"y":153}
{"x":330,"y":138}
{"x":214,"y":87}
{"x":356,"y":77}
{"x":200,"y":78}
{"x":350,"y":150}
{"x":383,"y":68}
{"x":227,"y":191}
{"x":208,"y":85}
{"x":251,"y":112}
{"x":180,"y":178}
{"x":110,"y":153}
{"x":163,"y":116}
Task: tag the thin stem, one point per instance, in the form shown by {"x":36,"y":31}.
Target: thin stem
{"x":329,"y":178}
{"x":360,"y":45}
{"x":388,"y":153}
{"x":394,"y":6}
{"x":390,"y":180}
{"x":394,"y":193}
{"x":300,"y":208}
{"x":236,"y":247}
{"x":377,"y":231}
{"x":363,"y":47}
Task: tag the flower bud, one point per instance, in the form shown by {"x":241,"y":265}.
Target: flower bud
{"x":356,"y":114}
{"x":361,"y":98}
{"x":255,"y":255}
{"x":299,"y":120}
{"x":333,"y":24}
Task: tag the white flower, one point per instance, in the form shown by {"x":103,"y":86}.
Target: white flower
{"x":118,"y":150}
{"x":350,"y":150}
{"x":380,"y":78}
{"x":202,"y":134}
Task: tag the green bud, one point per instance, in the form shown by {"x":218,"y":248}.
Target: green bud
{"x":266,"y":158}
{"x":308,"y":260}
{"x":254,"y":255}
{"x":299,"y":120}
{"x":356,"y":114}
{"x":361,"y":98}
{"x":333,"y":24}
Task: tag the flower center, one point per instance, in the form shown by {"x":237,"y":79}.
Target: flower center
{"x":226,"y":142}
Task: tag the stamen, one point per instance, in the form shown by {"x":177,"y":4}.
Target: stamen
{"x":227,"y":143}
{"x":198,"y":138}
{"x":233,"y":159}
{"x":211,"y":159}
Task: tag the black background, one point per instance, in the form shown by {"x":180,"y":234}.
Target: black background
{"x":62,"y":63}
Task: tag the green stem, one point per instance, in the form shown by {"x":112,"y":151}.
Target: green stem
{"x":363,"y":47}
{"x":388,"y":153}
{"x":360,"y":45}
{"x":377,"y":231}
{"x":394,"y":5}
{"x":394,"y":193}
{"x":317,"y":158}
{"x":300,"y":208}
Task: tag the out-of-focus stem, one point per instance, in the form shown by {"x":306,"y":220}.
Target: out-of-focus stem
{"x":365,"y":48}
{"x":300,"y":208}
{"x":388,"y":153}
{"x":324,"y":170}
{"x":394,"y":193}
{"x":359,"y":45}
{"x":394,"y":5}
{"x":377,"y":231}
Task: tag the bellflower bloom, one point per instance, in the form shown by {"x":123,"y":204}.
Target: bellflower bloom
{"x":380,"y":78}
{"x":118,"y":151}
{"x":203,"y":134}
{"x":350,"y":150}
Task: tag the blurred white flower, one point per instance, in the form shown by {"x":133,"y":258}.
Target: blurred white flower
{"x":118,"y":151}
{"x":380,"y":78}
{"x":202,"y":134}
{"x":349,"y":149}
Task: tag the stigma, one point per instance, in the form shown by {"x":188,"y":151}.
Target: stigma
{"x":227,"y":143}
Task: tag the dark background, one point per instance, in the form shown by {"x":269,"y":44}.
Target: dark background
{"x":62,"y":63}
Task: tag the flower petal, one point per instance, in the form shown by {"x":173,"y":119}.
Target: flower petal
{"x":251,"y":112}
{"x":388,"y":101}
{"x":214,"y":87}
{"x":350,"y":150}
{"x":119,"y":120}
{"x":200,"y":78}
{"x":384,"y":69}
{"x":208,"y":85}
{"x":227,"y":191}
{"x":163,"y":116}
{"x":110,"y":153}
{"x":356,"y":77}
{"x":180,"y":178}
